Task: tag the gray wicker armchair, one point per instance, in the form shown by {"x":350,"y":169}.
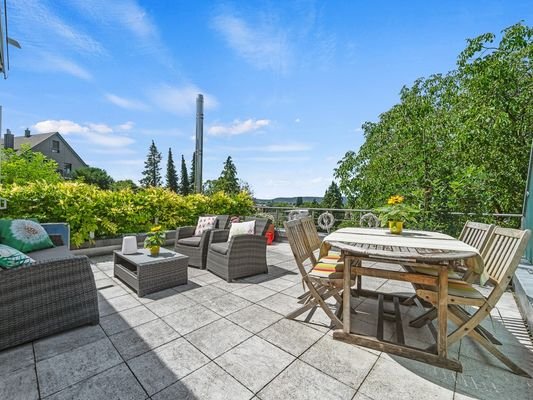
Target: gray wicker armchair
{"x":196,"y":246}
{"x":243,"y":255}
{"x":45,"y":298}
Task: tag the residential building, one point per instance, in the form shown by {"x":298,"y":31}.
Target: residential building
{"x":52,"y":145}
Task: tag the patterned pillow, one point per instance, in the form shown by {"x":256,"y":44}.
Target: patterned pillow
{"x":241,"y":228}
{"x":204,"y":223}
{"x":11,"y":258}
{"x":24,"y":235}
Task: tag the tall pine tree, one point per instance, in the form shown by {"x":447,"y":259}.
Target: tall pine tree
{"x":152,"y":169}
{"x":228,"y":181}
{"x":172,"y":177}
{"x":184,"y":184}
{"x":332,"y":197}
{"x":192,"y":189}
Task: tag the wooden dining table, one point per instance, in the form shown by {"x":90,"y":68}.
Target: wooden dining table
{"x":435,"y":252}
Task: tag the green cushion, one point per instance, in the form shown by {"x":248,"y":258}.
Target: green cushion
{"x":24,"y":235}
{"x":11,"y":258}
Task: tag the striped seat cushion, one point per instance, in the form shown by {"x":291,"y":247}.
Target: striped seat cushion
{"x":435,"y":272}
{"x":460,"y":289}
{"x":330,"y":259}
{"x":328,"y":270}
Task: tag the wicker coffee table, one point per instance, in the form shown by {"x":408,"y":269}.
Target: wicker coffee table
{"x":147,"y":274}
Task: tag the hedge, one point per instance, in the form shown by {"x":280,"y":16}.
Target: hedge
{"x":87,"y":208}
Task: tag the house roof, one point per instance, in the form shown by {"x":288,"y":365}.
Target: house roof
{"x":38,"y":138}
{"x":33,"y":140}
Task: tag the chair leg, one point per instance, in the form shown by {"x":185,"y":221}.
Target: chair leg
{"x":464,"y":315}
{"x":423,"y":319}
{"x":318,"y":300}
{"x":490,"y":348}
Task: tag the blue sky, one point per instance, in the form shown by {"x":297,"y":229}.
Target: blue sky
{"x":287,"y":83}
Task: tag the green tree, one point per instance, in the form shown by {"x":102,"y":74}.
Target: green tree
{"x":124,"y":184}
{"x":227,"y":181}
{"x":184,"y":183}
{"x":332,"y":197}
{"x":26,"y":166}
{"x":172,"y":176}
{"x":152,"y":169}
{"x":192,"y":177}
{"x":93,"y":176}
{"x":299,"y":201}
{"x":457,"y":141}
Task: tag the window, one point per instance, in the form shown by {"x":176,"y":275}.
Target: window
{"x":55,"y":146}
{"x":68,"y":169}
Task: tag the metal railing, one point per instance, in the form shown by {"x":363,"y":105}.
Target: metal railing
{"x":448,"y":222}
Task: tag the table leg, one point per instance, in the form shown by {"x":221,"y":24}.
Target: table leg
{"x":346,"y":294}
{"x":442,"y":313}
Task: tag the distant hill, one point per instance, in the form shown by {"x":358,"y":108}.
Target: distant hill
{"x":290,"y":200}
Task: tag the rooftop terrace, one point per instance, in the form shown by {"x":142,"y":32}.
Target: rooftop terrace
{"x":211,"y":339}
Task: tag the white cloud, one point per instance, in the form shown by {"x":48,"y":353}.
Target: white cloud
{"x":123,"y":102}
{"x":238,"y":127}
{"x":264,"y":45}
{"x":180,"y":100}
{"x":58,"y":63}
{"x":297,"y":120}
{"x":98,"y":134}
{"x":126,"y":126}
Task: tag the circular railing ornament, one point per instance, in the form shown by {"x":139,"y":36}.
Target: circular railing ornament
{"x":294,"y":214}
{"x":369,"y":220}
{"x":325,"y":221}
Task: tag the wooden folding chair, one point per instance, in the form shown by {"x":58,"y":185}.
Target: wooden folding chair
{"x":501,"y":255}
{"x":323,"y":280}
{"x":314,"y":240}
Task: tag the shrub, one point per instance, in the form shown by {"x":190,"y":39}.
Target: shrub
{"x":109,"y":213}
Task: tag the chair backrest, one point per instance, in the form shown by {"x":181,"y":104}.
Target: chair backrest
{"x":261,"y":225}
{"x":369,"y":220}
{"x":503,"y":253}
{"x":476,"y":234}
{"x":222,"y":221}
{"x":310,"y":230}
{"x":299,"y":245}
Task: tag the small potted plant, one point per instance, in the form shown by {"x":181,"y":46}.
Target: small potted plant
{"x":154,"y":240}
{"x":396,"y":213}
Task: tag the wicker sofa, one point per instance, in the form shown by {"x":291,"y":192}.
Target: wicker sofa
{"x":196,"y":246}
{"x":242,"y":255}
{"x":54,"y":294}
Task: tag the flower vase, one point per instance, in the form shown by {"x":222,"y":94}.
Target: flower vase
{"x":396,"y":227}
{"x":154,"y":251}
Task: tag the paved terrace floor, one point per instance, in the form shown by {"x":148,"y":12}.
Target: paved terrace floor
{"x":216,"y":340}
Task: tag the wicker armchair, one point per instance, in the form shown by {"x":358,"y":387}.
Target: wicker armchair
{"x":243,"y":255}
{"x":46,"y":297}
{"x":196,"y":246}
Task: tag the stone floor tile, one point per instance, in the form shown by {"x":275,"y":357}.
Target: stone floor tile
{"x":104,"y":283}
{"x":218,"y":337}
{"x":142,"y":338}
{"x":295,"y":290}
{"x":344,"y":362}
{"x":254,"y":293}
{"x":257,"y":278}
{"x":292,"y":276}
{"x":293,"y":337}
{"x":397,"y":380}
{"x":193,"y":272}
{"x":231,"y":286}
{"x":162,"y":294}
{"x":226,"y":304}
{"x":186,"y":321}
{"x":204,"y":293}
{"x":163,"y":366}
{"x":254,"y":318}
{"x":208,"y":383}
{"x":19,"y":385}
{"x":99,"y":275}
{"x":66,"y":369}
{"x":67,"y":341}
{"x":361,"y":396}
{"x":209,"y":278}
{"x":110,"y":292}
{"x":277,"y":284}
{"x":115,"y":383}
{"x":116,"y":304}
{"x":127,"y":319}
{"x":186,"y":287}
{"x":300,"y":381}
{"x":254,"y":362}
{"x":280,"y":303}
{"x":16,"y":358}
{"x":169,"y":305}
{"x":491,"y":381}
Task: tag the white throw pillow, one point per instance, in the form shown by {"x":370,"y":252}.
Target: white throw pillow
{"x":242,"y":228}
{"x":204,"y":223}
